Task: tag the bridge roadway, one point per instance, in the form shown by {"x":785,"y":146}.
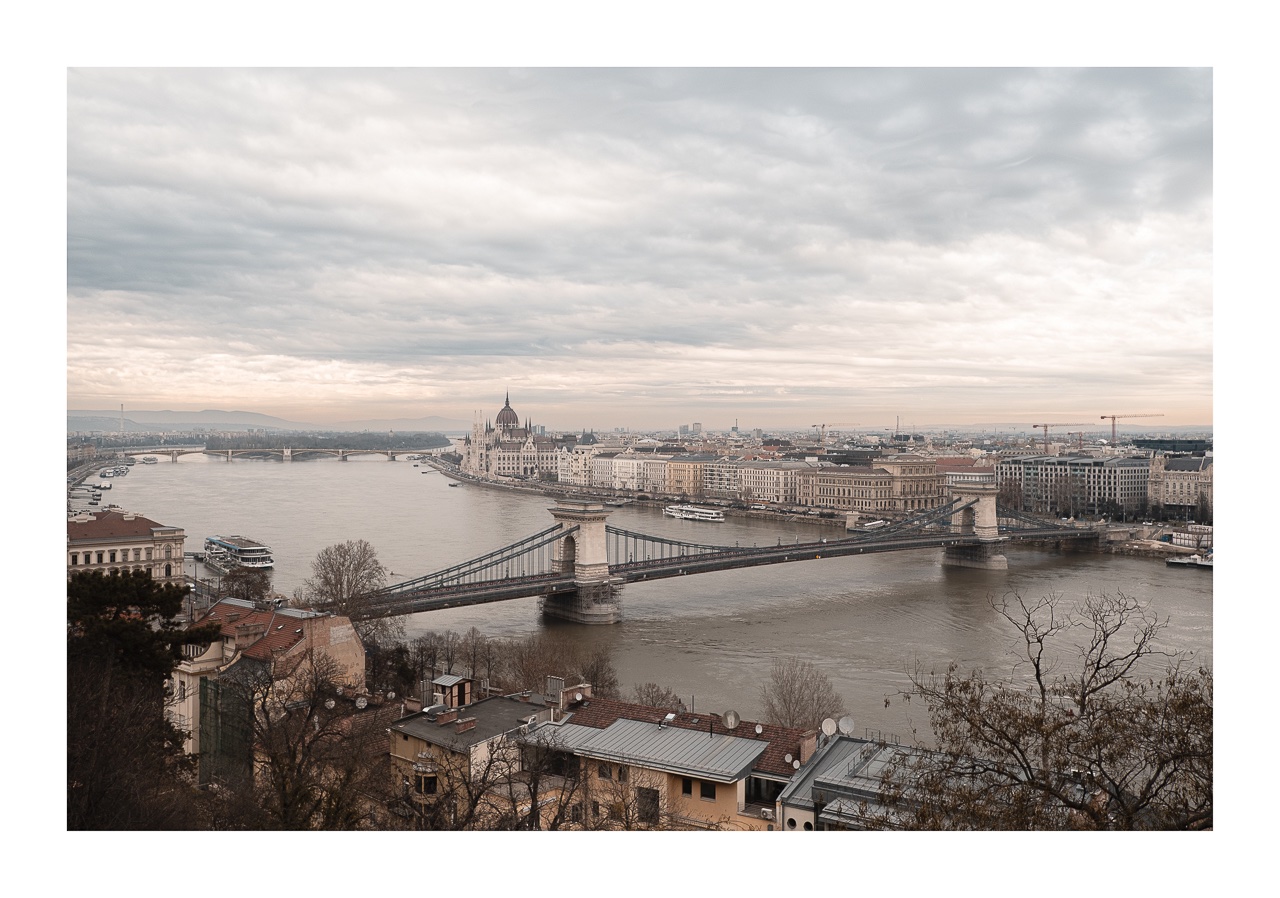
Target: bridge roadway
{"x":501,"y":590}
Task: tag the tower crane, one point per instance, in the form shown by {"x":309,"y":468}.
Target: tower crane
{"x":1079,"y":434}
{"x":1045,"y":428}
{"x":822,"y":440}
{"x":1113,"y":421}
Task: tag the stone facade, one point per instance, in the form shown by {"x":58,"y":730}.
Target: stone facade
{"x":111,"y":541}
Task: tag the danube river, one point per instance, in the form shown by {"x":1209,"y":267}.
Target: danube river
{"x":712,"y":638}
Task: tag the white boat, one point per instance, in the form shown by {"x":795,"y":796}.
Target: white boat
{"x":236,"y":551}
{"x":1199,"y":561}
{"x":148,"y":459}
{"x":693,"y":513}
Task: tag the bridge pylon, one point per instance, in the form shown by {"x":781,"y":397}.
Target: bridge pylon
{"x":584,"y":553}
{"x":976,"y":520}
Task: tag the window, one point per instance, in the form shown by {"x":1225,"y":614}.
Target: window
{"x":606,"y":772}
{"x":708,"y":790}
{"x":425,"y":783}
{"x":100,"y":557}
{"x":647,"y":805}
{"x":75,"y":558}
{"x":112,"y":555}
{"x":686,"y":787}
{"x":622,"y":774}
{"x":148,"y":553}
{"x":595,"y":809}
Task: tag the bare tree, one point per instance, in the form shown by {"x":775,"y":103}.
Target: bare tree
{"x":656,"y":696}
{"x":344,"y":577}
{"x":799,"y":695}
{"x":246,"y":583}
{"x":314,"y":763}
{"x":1087,"y":733}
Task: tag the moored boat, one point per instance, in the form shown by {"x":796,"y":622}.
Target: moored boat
{"x":236,"y":551}
{"x":1204,"y":562}
{"x":693,"y":513}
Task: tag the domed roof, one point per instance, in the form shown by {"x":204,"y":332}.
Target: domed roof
{"x":508,"y":417}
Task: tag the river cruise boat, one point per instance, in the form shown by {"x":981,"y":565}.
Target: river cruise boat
{"x":236,"y":551}
{"x":693,"y":513}
{"x":149,"y":459}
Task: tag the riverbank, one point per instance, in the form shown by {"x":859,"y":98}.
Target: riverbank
{"x":581,"y":494}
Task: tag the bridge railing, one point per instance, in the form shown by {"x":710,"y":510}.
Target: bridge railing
{"x":526,"y":557}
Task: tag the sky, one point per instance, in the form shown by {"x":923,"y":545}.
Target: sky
{"x":643,"y":247}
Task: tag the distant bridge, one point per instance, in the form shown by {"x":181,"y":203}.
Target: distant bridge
{"x":578,"y":566}
{"x":284,"y":454}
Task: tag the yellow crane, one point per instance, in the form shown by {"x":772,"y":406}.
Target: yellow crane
{"x":1113,"y":421}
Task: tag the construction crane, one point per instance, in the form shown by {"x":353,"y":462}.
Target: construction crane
{"x":1046,"y":427}
{"x":1079,"y":434}
{"x":822,"y":440}
{"x":1113,"y":421}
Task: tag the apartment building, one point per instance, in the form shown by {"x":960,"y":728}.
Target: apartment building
{"x":770,"y":481}
{"x":276,"y":644}
{"x":1073,"y":484}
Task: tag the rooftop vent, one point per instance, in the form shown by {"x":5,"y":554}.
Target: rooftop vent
{"x":667,"y":721}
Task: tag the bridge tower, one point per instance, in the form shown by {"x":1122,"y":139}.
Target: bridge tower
{"x":980,"y":521}
{"x":584,"y":553}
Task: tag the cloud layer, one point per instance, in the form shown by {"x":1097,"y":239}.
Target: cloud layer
{"x":643,"y":247}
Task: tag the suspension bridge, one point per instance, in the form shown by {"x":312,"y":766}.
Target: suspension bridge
{"x":578,"y":566}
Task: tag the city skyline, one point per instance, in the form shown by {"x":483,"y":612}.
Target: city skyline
{"x":643,"y":247}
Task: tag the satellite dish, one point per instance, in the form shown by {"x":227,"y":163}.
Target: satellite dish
{"x":828,"y":727}
{"x":795,"y":765}
{"x":577,"y":696}
{"x":846,"y":725}
{"x":788,"y":759}
{"x":390,"y":695}
{"x":759,"y":729}
{"x":361,"y":702}
{"x":329,"y":703}
{"x":731,"y":719}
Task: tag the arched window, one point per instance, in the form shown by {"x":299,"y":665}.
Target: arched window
{"x":168,"y":571}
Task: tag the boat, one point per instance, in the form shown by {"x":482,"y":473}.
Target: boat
{"x":451,"y":483}
{"x":149,"y":459}
{"x":693,"y":513}
{"x":1204,"y":562}
{"x":236,"y":551}
{"x":107,"y":472}
{"x":102,"y":486}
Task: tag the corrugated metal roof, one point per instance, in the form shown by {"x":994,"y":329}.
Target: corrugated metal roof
{"x":447,"y":680}
{"x":717,"y":757}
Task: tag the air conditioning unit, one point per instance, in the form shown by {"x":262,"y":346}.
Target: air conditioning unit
{"x":766,"y":813}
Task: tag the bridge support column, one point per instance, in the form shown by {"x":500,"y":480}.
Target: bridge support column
{"x":977,"y":520}
{"x":288,"y":453}
{"x":595,"y":599}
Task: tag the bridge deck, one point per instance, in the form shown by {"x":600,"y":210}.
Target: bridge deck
{"x":435,"y":598}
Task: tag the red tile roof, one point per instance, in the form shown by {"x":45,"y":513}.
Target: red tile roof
{"x":282,"y":632}
{"x":112,"y":525}
{"x":783,"y":741}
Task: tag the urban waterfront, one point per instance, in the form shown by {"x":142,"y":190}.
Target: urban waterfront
{"x":711,"y":638}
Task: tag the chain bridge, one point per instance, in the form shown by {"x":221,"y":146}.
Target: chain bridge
{"x":578,"y":566}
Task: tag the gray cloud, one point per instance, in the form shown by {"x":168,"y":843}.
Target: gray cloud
{"x":953,"y":241}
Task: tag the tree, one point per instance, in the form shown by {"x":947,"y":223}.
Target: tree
{"x":125,"y":765}
{"x":1086,"y":736}
{"x":315,"y":760}
{"x":246,"y":583}
{"x":343,"y":579}
{"x":656,"y":696}
{"x":799,"y":695}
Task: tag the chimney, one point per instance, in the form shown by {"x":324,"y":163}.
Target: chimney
{"x":466,"y":723}
{"x":447,"y":716}
{"x":808,"y":745}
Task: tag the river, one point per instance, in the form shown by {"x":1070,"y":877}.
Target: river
{"x":862,"y":621}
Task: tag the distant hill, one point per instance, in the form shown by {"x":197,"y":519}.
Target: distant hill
{"x":82,"y":421}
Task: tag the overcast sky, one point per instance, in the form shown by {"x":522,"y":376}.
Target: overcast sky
{"x":643,"y":247}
